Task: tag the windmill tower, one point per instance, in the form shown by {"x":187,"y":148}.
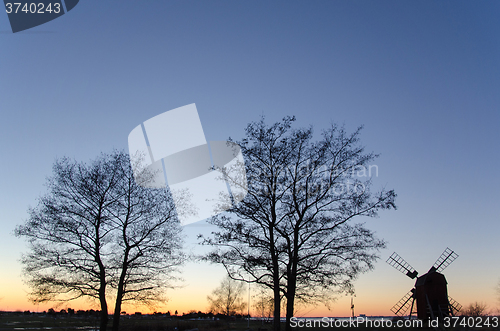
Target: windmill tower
{"x":430,"y":291}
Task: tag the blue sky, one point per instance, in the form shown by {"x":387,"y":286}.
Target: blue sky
{"x":422,"y":77}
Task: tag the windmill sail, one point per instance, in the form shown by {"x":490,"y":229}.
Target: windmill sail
{"x":446,"y":258}
{"x":401,"y":307}
{"x":400,"y":264}
{"x":455,"y":306}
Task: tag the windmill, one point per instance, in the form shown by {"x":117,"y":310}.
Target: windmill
{"x":430,"y":291}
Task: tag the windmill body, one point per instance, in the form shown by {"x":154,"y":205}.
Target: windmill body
{"x":430,"y":294}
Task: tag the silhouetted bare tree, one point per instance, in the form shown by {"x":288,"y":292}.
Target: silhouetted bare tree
{"x":498,"y":291}
{"x":294,"y":230}
{"x":97,"y":229}
{"x":475,"y":309}
{"x":228,"y":297}
{"x":263,"y":302}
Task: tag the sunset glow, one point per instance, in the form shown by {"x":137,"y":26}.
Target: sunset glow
{"x":422,"y":78}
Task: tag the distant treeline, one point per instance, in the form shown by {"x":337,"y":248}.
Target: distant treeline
{"x":91,"y":312}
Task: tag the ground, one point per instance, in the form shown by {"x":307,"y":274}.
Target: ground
{"x":22,"y":321}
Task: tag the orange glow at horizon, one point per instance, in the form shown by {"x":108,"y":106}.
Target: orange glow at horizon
{"x":340,"y":308}
{"x":376,"y":293}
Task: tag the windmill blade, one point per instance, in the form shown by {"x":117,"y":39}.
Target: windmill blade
{"x":444,"y":260}
{"x":455,"y":306}
{"x":400,"y":264}
{"x":401,"y":307}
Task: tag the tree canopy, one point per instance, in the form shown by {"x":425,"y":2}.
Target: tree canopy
{"x":295,"y":231}
{"x":97,"y":229}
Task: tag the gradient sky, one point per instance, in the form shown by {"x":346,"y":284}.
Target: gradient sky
{"x":423,"y":77}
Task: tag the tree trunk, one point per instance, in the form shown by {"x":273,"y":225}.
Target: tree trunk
{"x":289,"y":305}
{"x":277,"y":310}
{"x":104,"y":307}
{"x":276,"y":290}
{"x":276,"y":277}
{"x":119,"y":293}
{"x":118,"y":307}
{"x":291,"y":287}
{"x":102,"y":281}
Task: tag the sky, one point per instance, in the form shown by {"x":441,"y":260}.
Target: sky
{"x":422,"y":77}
